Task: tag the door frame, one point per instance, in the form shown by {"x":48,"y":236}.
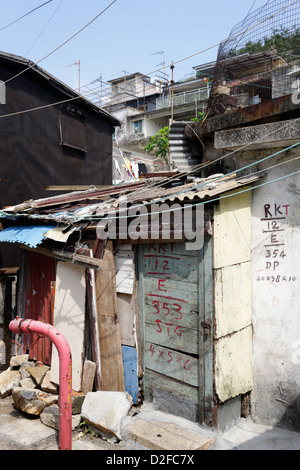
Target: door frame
{"x":205,"y":327}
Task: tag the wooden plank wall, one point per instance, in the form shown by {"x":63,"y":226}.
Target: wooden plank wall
{"x":170,"y":304}
{"x":127,"y":298}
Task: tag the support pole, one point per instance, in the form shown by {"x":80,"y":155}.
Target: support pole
{"x":172,"y":94}
{"x":19,"y":326}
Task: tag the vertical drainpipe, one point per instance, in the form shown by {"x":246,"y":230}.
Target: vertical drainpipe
{"x":19,"y":326}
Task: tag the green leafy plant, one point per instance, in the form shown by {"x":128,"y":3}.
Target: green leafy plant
{"x":159,"y":144}
{"x":199,"y":118}
{"x":285,"y":41}
{"x":85,"y":428}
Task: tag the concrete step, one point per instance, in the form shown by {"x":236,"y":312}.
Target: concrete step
{"x":181,"y":155}
{"x":158,"y":435}
{"x":176,"y":135}
{"x":179,"y":146}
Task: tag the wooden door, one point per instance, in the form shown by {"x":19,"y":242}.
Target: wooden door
{"x":176,"y":311}
{"x":36,"y":302}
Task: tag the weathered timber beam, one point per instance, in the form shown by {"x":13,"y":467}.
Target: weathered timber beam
{"x":82,"y":260}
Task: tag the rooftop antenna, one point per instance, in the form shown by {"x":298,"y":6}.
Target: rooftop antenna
{"x":71,"y":65}
{"x":163,"y":63}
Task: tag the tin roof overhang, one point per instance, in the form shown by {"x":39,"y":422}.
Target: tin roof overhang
{"x":82,"y":206}
{"x":30,"y":235}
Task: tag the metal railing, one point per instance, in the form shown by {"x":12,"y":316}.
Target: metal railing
{"x":179,"y":99}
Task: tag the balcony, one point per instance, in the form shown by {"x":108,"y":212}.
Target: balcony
{"x":181,"y":99}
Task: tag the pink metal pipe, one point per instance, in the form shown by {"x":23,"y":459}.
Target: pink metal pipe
{"x":19,"y":326}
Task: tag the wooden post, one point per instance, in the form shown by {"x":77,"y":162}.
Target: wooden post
{"x":112,"y":375}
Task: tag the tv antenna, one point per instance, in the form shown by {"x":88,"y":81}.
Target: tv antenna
{"x":163,"y":63}
{"x":72,"y":65}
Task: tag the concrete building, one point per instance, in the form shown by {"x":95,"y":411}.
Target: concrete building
{"x":144,"y":106}
{"x":264,"y":139}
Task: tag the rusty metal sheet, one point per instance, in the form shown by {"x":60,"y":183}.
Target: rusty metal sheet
{"x":38,"y":301}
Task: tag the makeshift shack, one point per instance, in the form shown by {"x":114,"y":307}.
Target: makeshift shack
{"x":160,"y":306}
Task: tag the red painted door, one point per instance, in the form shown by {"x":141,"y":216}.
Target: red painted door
{"x":37,"y":301}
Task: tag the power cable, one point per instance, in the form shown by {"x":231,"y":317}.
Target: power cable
{"x":44,"y":28}
{"x":61,"y":45}
{"x":161,"y":68}
{"x":4,"y":214}
{"x":211,"y":181}
{"x":198,"y":186}
{"x":161,"y":182}
{"x":79,"y":96}
{"x":26,"y":14}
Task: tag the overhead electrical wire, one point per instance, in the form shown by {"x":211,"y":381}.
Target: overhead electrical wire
{"x":154,"y":71}
{"x":44,"y":28}
{"x":211,"y":181}
{"x":63,"y":44}
{"x":198,"y":186}
{"x":203,"y":165}
{"x":81,"y":96}
{"x":26,"y":14}
{"x":209,"y":201}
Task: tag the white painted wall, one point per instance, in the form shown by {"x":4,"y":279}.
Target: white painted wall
{"x":232,"y":296}
{"x":69,"y":318}
{"x":276,"y":297}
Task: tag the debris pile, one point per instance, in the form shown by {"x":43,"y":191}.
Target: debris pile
{"x":29,"y":384}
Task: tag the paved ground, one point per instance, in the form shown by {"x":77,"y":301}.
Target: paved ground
{"x":19,"y":431}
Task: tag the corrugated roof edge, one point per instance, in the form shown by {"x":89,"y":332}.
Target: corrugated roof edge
{"x":58,"y":84}
{"x":31,"y":236}
{"x":200,"y":192}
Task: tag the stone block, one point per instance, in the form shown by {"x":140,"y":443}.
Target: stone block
{"x":8,"y":378}
{"x":38,"y":373}
{"x":50,"y":417}
{"x":47,"y":385}
{"x":158,"y":435}
{"x":17,"y":361}
{"x":28,"y":382}
{"x":32,"y":401}
{"x":77,"y":401}
{"x":23,"y":369}
{"x":104,"y":411}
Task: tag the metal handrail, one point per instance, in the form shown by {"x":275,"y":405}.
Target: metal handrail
{"x":187,"y":97}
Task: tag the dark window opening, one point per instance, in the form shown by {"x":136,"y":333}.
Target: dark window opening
{"x":72,"y":132}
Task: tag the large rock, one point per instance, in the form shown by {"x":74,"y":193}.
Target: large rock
{"x":8,"y":379}
{"x":104,"y":411}
{"x":38,"y":373}
{"x":17,"y":361}
{"x":77,"y":401}
{"x":23,"y":369}
{"x":50,"y":417}
{"x":32,"y":401}
{"x":47,"y":385}
{"x":28,"y":382}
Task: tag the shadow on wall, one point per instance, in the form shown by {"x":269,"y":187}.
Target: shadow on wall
{"x":284,"y":435}
{"x":291,"y":417}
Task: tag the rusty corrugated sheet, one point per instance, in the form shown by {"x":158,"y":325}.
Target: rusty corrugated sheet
{"x":38,"y":301}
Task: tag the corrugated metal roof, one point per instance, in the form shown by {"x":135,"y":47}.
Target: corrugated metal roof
{"x":31,"y":236}
{"x":84,"y":205}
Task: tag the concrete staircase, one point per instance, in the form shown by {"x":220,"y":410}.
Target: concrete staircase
{"x":180,"y":151}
